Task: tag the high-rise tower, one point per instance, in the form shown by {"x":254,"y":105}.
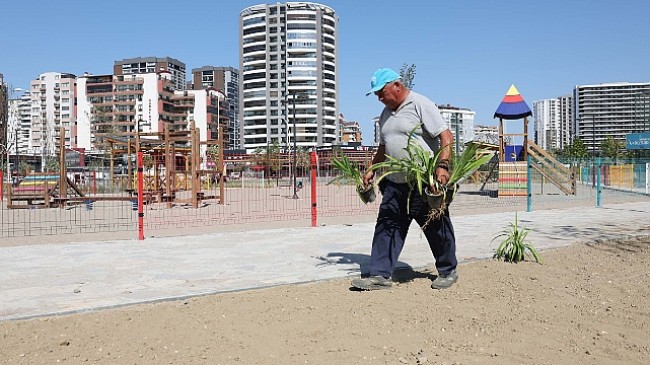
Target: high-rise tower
{"x":289,"y":74}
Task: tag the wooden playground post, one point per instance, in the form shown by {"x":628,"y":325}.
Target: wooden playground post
{"x":111,"y":165}
{"x":168,"y":168}
{"x":140,"y":198}
{"x":222,"y":168}
{"x":62,"y":171}
{"x":525,"y":146}
{"x":501,"y":141}
{"x":129,"y":170}
{"x":196,"y":153}
{"x":46,"y":194}
{"x":193,"y":168}
{"x":172,"y":169}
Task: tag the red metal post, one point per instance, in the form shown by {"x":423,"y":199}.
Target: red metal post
{"x":140,"y":196}
{"x":314,"y":213}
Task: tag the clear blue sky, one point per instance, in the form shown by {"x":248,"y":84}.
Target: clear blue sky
{"x":467,"y":53}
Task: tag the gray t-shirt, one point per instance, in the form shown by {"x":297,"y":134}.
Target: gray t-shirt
{"x":417,"y":111}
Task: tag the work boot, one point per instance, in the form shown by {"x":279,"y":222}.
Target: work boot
{"x":445,"y":281}
{"x":372,"y":283}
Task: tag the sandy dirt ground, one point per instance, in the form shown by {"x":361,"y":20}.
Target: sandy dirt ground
{"x":587,"y":304}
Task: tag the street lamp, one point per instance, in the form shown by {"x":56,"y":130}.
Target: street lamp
{"x":645,"y":96}
{"x":295,"y":171}
{"x":16,"y":123}
{"x":593,"y":148}
{"x":287,"y":140}
{"x":295,"y":148}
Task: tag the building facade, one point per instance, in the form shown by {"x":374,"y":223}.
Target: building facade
{"x":121,"y":105}
{"x":567,"y":127}
{"x":226,"y":80}
{"x":350,"y":131}
{"x":289,"y":75}
{"x":20,"y":125}
{"x":610,"y":110}
{"x":152,"y":65}
{"x":489,"y":134}
{"x":546,"y":116}
{"x":4,"y":113}
{"x":52,"y":98}
{"x":460,"y":122}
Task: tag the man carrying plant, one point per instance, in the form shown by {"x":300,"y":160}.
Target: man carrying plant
{"x":407,"y":116}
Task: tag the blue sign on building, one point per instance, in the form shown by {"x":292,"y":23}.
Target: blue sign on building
{"x":638,"y":141}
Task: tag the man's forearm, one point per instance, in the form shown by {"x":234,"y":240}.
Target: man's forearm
{"x":446,"y":142}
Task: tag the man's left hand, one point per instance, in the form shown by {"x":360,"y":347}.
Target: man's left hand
{"x":442,"y":175}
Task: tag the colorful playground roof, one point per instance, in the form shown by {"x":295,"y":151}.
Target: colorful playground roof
{"x":512,"y":106}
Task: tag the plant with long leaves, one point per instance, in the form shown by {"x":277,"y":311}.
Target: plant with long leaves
{"x":419,"y":169}
{"x":469,"y":161}
{"x":351,"y":172}
{"x":514,"y":247}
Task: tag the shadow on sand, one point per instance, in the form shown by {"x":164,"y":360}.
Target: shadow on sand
{"x":402,"y":274}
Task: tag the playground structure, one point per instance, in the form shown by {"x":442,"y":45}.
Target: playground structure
{"x":172,"y":174}
{"x":172,"y":164}
{"x":513,"y":164}
{"x":41,"y":190}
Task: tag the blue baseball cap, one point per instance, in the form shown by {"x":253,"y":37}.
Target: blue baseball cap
{"x":380,"y":78}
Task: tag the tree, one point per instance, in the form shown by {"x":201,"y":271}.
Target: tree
{"x":612,"y":148}
{"x":269,"y":157}
{"x":575,"y":150}
{"x":407,"y":74}
{"x":213,"y":154}
{"x":103,"y":126}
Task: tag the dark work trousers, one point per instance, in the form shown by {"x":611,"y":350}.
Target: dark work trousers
{"x":393,"y":223}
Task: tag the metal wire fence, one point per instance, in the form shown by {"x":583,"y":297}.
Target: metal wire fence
{"x":258,"y":190}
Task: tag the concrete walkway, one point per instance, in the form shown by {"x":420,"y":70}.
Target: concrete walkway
{"x":54,"y":279}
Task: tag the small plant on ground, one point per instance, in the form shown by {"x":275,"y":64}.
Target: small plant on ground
{"x":514,"y":247}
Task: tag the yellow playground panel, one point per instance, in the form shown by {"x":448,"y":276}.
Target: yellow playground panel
{"x":621,"y":176}
{"x":513,"y":179}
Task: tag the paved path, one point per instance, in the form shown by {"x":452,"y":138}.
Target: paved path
{"x":51,"y":279}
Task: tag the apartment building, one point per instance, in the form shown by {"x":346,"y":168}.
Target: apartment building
{"x":350,"y":131}
{"x":4,"y":112}
{"x":376,"y":135}
{"x":489,"y":134}
{"x":121,"y":105}
{"x":609,"y":110}
{"x":289,"y":75}
{"x":20,"y":124}
{"x":546,"y":117}
{"x":152,"y":65}
{"x":460,"y":122}
{"x":205,"y":109}
{"x":567,"y":127}
{"x":226,"y":80}
{"x":52,"y":98}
